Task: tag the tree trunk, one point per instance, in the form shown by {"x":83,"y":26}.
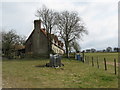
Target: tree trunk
{"x":48,"y":45}
{"x":50,"y":41}
{"x":67,"y":51}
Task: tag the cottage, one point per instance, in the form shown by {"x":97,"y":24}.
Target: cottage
{"x":37,"y":42}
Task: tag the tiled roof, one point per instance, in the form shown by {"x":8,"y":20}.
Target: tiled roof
{"x":18,"y":47}
{"x":44,"y":32}
{"x":52,"y":37}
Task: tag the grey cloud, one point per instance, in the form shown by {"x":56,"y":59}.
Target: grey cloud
{"x":98,"y":17}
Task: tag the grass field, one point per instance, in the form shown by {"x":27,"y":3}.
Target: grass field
{"x":109,"y":60}
{"x":75,"y":74}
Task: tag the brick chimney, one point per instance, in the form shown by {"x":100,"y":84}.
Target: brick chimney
{"x":37,"y":24}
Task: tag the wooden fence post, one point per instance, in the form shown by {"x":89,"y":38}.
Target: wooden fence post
{"x":105,"y":64}
{"x":74,"y":55}
{"x":83,"y":56}
{"x":92,"y":62}
{"x":97,"y":62}
{"x":115,"y":65}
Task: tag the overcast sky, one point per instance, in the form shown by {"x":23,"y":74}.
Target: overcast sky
{"x":100,"y":18}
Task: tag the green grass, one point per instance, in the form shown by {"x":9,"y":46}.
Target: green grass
{"x":109,"y":60}
{"x":75,"y":74}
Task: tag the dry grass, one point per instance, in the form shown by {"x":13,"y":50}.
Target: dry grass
{"x":75,"y":74}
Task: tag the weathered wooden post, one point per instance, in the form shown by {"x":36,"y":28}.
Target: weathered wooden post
{"x":75,"y":55}
{"x":115,"y":65}
{"x":92,"y":62}
{"x":97,"y":62}
{"x":83,"y":56}
{"x":105,"y":64}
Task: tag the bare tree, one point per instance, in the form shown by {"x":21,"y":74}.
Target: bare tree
{"x":70,"y":27}
{"x":47,"y":16}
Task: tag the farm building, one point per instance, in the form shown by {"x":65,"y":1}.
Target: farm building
{"x":37,"y":42}
{"x":19,"y":51}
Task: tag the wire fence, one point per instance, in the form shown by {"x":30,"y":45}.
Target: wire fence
{"x":102,"y":63}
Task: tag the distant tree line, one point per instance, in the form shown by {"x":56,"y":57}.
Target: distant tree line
{"x":108,"y":49}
